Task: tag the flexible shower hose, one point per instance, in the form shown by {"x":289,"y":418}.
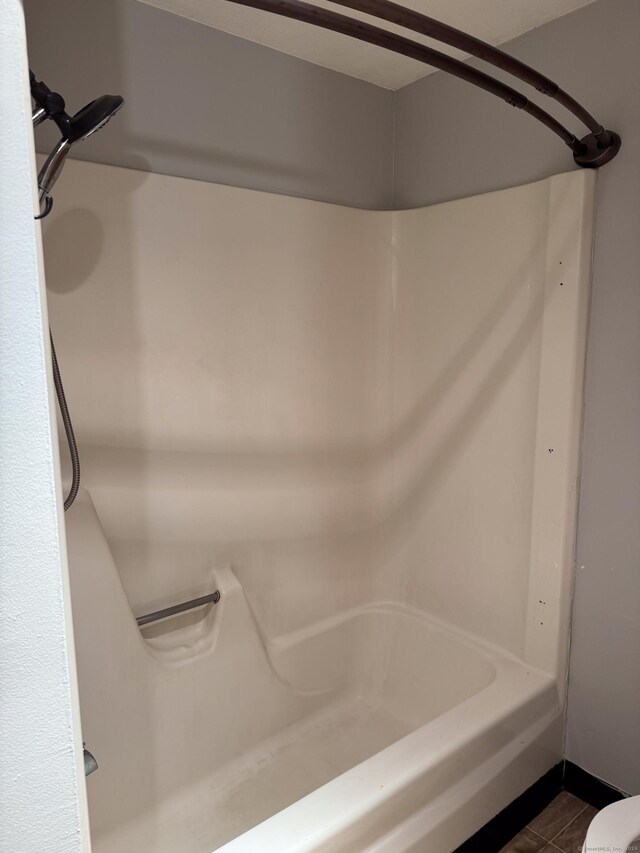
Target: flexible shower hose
{"x":68,"y":428}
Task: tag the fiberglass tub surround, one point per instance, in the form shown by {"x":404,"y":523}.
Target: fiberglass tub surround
{"x":363,"y":429}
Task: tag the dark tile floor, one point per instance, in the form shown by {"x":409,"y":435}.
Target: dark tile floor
{"x":560,"y":828}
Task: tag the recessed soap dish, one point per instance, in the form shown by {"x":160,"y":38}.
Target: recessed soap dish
{"x":181,"y":627}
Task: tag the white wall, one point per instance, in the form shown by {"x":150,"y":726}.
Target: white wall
{"x":42,"y":793}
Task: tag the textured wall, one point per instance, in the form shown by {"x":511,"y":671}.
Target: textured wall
{"x":203,"y":104}
{"x":43,"y":808}
{"x":455,"y":141}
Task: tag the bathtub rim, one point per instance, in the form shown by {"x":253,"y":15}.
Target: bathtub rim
{"x":313,"y":821}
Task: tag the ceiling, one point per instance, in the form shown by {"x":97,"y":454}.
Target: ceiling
{"x":494,"y":21}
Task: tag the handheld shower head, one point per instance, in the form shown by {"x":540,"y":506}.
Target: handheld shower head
{"x":89,"y":119}
{"x":86,"y":121}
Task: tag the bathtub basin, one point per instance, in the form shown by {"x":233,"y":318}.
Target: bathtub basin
{"x":377,"y":729}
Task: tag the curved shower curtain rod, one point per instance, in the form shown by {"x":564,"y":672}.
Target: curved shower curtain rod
{"x":595,"y":149}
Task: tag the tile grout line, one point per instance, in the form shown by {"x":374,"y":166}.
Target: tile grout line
{"x":533,"y":832}
{"x":566,"y":826}
{"x":546,"y":841}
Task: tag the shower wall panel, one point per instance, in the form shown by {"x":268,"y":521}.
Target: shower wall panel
{"x":220,"y":350}
{"x":343,"y":405}
{"x":470,"y":297}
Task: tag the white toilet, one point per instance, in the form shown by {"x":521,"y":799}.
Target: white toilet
{"x":615,"y":828}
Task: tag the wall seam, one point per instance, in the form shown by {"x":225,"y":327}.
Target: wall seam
{"x":393,"y":150}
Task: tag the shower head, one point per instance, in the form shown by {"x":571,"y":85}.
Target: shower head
{"x":92,"y":117}
{"x":89,"y":119}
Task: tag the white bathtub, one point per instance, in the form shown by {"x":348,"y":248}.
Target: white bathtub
{"x":458,"y":730}
{"x":363,"y":428}
{"x":377,"y":729}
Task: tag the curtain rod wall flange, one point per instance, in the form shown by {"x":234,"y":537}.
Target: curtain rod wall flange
{"x":594,"y":150}
{"x":598,"y":153}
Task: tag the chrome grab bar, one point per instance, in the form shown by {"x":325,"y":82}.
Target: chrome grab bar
{"x":212,"y":598}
